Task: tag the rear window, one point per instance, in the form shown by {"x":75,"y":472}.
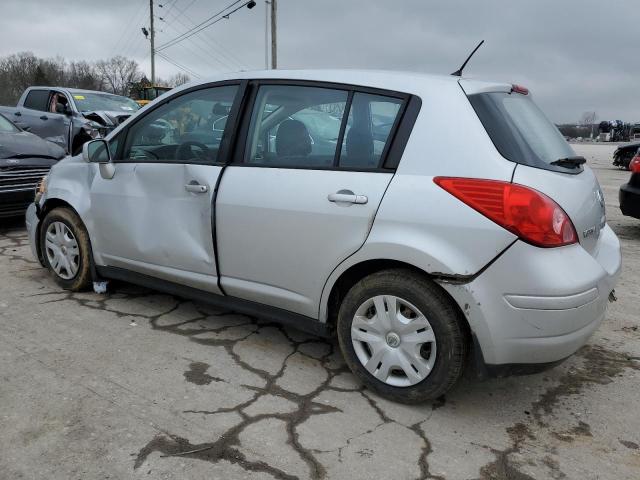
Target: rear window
{"x":37,"y":100}
{"x":520,"y":131}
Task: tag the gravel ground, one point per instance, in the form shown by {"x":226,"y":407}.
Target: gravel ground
{"x":140,"y":384}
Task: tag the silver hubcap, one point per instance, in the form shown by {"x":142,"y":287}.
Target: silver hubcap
{"x":62,"y":250}
{"x":393,"y":340}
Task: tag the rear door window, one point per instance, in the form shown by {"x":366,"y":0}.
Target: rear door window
{"x":369,"y":126}
{"x":520,"y":131}
{"x":315,"y":127}
{"x":295,"y":126}
{"x":37,"y":100}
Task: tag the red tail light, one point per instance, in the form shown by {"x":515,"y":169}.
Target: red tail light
{"x":519,"y":89}
{"x":527,"y":213}
{"x":634,"y":166}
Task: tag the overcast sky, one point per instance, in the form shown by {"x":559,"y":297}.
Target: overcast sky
{"x":574,"y":55}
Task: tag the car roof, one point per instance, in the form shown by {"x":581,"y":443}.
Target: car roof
{"x":69,"y":90}
{"x":408,"y":82}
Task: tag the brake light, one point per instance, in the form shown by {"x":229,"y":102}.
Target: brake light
{"x":529,"y":214}
{"x":519,"y":89}
{"x":634,"y":166}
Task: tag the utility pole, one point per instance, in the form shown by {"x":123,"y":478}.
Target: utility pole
{"x":153,"y":52}
{"x":267,"y":11}
{"x":274,"y":43}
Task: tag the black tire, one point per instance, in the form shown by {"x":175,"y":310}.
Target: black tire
{"x":82,"y":279}
{"x":451,"y":334}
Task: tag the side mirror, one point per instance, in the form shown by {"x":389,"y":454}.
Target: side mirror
{"x":96,"y":151}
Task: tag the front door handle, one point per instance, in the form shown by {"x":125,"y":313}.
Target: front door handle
{"x":195,"y":187}
{"x":44,"y":117}
{"x":17,"y":114}
{"x":347,"y":196}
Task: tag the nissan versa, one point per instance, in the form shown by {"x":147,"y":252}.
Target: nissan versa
{"x":427,"y":220}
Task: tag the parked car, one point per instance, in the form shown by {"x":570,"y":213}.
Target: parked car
{"x":624,"y":153}
{"x":24,"y":159}
{"x":417,"y":254}
{"x":67,"y":116}
{"x":630,"y":192}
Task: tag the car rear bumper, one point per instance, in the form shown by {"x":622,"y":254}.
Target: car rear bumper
{"x":630,"y":197}
{"x":536,"y":306}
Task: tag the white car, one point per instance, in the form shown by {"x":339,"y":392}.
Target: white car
{"x":427,"y":220}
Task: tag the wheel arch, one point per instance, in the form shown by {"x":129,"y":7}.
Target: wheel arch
{"x":344,"y":280}
{"x":51,"y":204}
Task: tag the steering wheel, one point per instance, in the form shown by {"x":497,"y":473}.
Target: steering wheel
{"x":185,"y":152}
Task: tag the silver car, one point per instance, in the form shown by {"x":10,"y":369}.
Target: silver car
{"x":429,"y":221}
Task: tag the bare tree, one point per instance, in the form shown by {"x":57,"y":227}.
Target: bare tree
{"x":24,"y":69}
{"x":178,"y":79}
{"x":83,"y":75}
{"x":118,"y":73}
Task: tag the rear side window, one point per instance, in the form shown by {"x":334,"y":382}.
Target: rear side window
{"x":369,"y":125}
{"x":520,"y":131}
{"x":37,"y":100}
{"x":294,"y":126}
{"x":316,"y":127}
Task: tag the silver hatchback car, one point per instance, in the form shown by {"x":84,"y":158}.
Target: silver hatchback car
{"x":429,"y":221}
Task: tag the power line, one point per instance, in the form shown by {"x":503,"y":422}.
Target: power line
{"x":124,"y":41}
{"x":180,"y":66}
{"x":206,"y":47}
{"x":207,"y":55}
{"x":201,"y":26}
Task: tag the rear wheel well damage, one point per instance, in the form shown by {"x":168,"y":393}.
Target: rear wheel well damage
{"x":357,"y":272}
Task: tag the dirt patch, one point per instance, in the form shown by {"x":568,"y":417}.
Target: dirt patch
{"x":600,"y":367}
{"x":631,"y":445}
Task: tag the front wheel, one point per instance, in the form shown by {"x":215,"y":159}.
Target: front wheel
{"x":402,"y":336}
{"x":65,"y":247}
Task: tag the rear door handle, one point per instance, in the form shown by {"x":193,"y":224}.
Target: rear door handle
{"x":195,"y":187}
{"x":44,"y":117}
{"x":343,"y":197}
{"x":17,"y":114}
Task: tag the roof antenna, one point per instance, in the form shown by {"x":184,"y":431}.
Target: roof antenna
{"x":458,"y":73}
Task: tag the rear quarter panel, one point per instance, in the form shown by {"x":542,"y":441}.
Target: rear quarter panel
{"x":418,"y":222}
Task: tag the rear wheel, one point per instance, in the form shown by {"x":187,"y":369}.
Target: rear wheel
{"x":64,"y":244}
{"x":402,"y":336}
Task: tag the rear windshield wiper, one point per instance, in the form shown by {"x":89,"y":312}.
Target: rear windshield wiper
{"x":570,"y":162}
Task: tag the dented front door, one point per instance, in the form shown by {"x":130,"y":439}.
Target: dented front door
{"x":154,"y":216}
{"x":146,"y":220}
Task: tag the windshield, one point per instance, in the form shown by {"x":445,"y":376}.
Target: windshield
{"x":88,"y":102}
{"x":6,"y":126}
{"x":520,"y":131}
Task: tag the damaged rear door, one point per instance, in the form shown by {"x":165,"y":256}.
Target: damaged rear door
{"x":154,"y":216}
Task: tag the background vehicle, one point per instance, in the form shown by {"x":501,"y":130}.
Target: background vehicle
{"x":614,"y":131}
{"x":414,"y":247}
{"x":624,"y":153}
{"x":630,"y":192}
{"x":69,"y":117}
{"x":24,"y":160}
{"x":144,"y":95}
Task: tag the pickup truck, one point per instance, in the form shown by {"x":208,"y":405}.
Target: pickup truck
{"x":69,"y":117}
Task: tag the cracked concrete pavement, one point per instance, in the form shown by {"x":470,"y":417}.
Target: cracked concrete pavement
{"x":141,"y":384}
